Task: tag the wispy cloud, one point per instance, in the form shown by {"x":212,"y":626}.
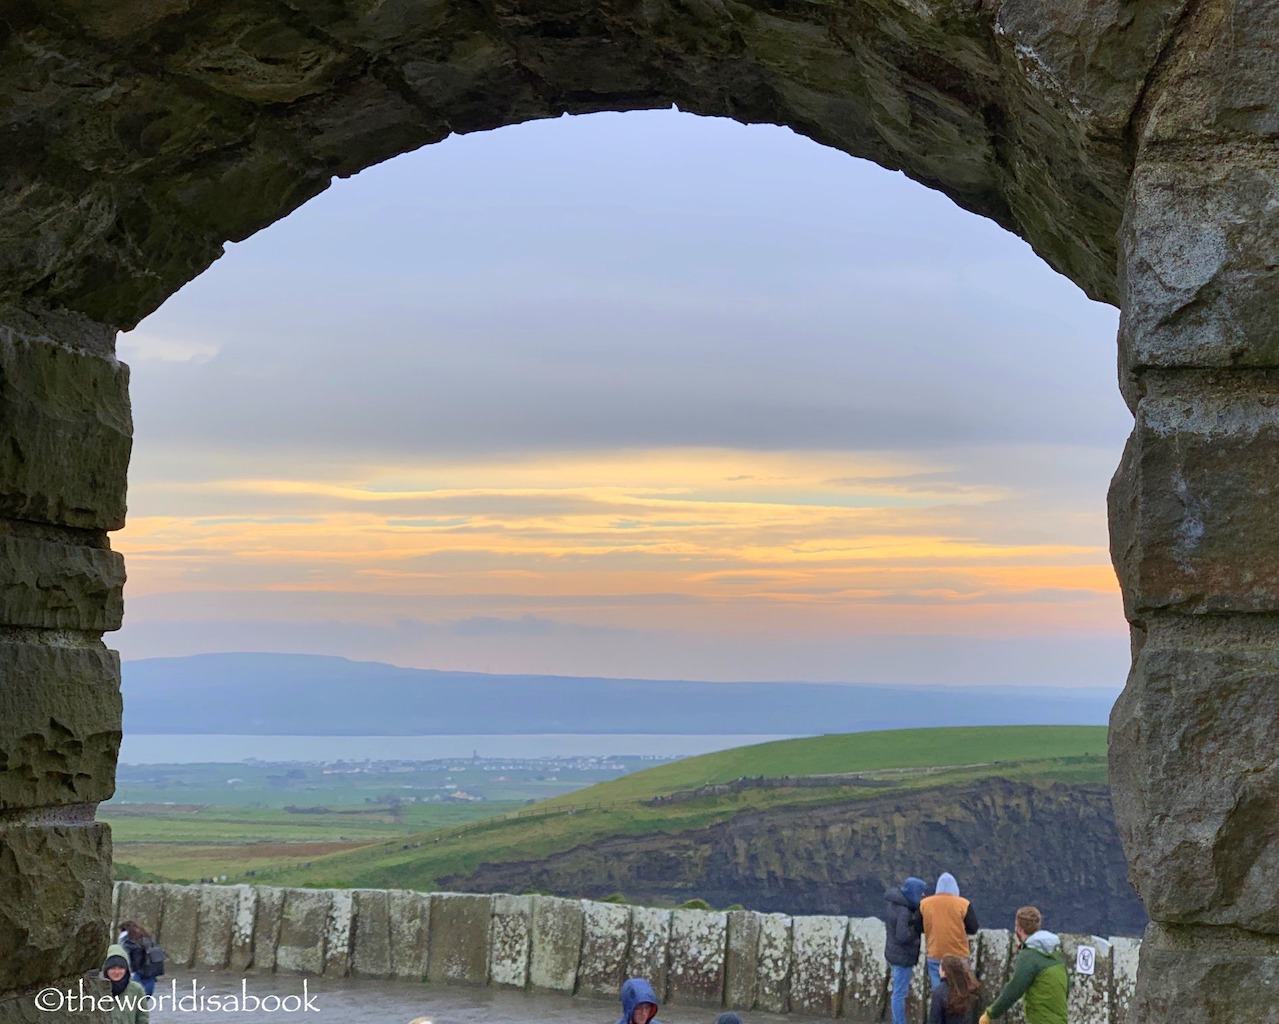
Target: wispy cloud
{"x":624,"y":412}
{"x":146,"y":347}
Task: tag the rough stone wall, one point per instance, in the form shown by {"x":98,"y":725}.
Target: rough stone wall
{"x":64,"y":445}
{"x":140,"y":135}
{"x":818,"y":966}
{"x":1194,"y":533}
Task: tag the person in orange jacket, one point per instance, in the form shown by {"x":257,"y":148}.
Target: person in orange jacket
{"x":948,"y":921}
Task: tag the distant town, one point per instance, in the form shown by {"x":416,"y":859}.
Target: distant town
{"x":317,"y":784}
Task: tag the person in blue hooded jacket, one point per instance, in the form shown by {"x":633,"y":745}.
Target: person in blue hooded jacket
{"x":903,"y":928}
{"x":639,"y":1002}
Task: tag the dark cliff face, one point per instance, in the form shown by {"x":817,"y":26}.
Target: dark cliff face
{"x":1008,"y":843}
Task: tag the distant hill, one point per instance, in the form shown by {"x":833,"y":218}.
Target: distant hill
{"x":290,"y":694}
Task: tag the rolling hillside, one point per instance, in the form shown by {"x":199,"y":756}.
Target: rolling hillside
{"x":989,"y":750}
{"x":625,"y":833}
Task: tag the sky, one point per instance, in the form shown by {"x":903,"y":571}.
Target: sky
{"x":637,"y":395}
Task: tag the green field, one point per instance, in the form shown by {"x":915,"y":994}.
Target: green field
{"x":188,"y":842}
{"x":987,"y":748}
{"x":903,"y":760}
{"x":184,"y":822}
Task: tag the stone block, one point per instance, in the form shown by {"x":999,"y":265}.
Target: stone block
{"x":179,"y":922}
{"x":1124,"y":955}
{"x":697,"y":949}
{"x":1089,"y":998}
{"x":459,"y":938}
{"x":865,"y":969}
{"x":1191,"y":505}
{"x":60,"y":584}
{"x":920,"y":995}
{"x":140,"y":903}
{"x":1201,"y":251}
{"x":1217,"y":82}
{"x":337,"y":934}
{"x":240,"y":956}
{"x":556,"y":944}
{"x":994,"y":960}
{"x":509,"y":939}
{"x":1206,"y":974}
{"x":817,"y":964}
{"x":67,"y":434}
{"x":218,"y":904}
{"x":1193,"y":769}
{"x":114,"y":928}
{"x":60,"y":713}
{"x":775,"y":963}
{"x":304,"y":925}
{"x":649,"y":954}
{"x":55,"y":896}
{"x":267,"y":924}
{"x":371,"y":935}
{"x":410,"y":925}
{"x":606,"y":936}
{"x":741,"y":963}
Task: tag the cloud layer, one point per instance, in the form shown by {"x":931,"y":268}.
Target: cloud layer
{"x":637,"y":394}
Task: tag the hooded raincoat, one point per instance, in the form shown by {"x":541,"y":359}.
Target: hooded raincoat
{"x":634,"y":992}
{"x":127,"y":994}
{"x":903,"y":923}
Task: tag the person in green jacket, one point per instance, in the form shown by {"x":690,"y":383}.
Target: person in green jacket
{"x":1039,"y":974}
{"x":128,"y":995}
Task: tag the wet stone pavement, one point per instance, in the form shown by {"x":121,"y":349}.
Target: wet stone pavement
{"x":390,"y":1002}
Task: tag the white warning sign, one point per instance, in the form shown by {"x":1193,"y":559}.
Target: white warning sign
{"x":1085,"y":960}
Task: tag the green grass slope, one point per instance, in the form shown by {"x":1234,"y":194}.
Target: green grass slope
{"x":858,"y":752}
{"x":905,"y":759}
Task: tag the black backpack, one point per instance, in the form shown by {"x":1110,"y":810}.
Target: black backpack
{"x":153,"y":957}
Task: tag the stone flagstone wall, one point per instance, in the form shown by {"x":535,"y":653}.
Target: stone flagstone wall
{"x":820,"y":965}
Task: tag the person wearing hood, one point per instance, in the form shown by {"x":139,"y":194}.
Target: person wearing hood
{"x":128,"y":995}
{"x":639,"y":1002}
{"x":903,"y":927}
{"x":948,"y":921}
{"x":1039,"y":974}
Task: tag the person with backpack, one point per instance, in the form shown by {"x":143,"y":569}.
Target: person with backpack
{"x":146,"y":958}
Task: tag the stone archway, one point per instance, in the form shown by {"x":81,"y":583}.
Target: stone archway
{"x":1131,"y":144}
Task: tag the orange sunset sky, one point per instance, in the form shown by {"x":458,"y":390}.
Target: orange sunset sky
{"x":631,"y":395}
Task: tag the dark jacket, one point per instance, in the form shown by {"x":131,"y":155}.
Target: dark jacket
{"x":140,"y":963}
{"x":634,"y":992}
{"x":904,"y":927}
{"x":937,"y":1008}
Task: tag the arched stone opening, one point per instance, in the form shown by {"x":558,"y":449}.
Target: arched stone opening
{"x":141,"y":136}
